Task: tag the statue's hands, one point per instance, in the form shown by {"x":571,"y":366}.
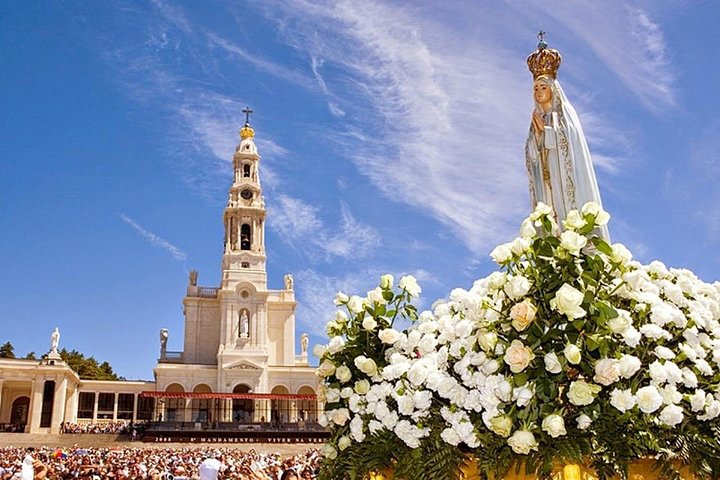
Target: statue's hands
{"x":537,"y":122}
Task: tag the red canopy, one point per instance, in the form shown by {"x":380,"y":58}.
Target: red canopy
{"x":237,"y":396}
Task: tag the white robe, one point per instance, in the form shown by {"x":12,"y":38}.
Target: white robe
{"x":572,"y":178}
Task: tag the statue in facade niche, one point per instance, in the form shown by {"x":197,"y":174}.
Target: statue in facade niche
{"x":244,"y":324}
{"x":54,"y":341}
{"x":559,"y":167}
{"x":289,"y":282}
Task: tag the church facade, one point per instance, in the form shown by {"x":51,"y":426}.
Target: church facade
{"x":238,"y":364}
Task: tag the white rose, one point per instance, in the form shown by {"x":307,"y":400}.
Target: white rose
{"x":319,"y":350}
{"x":410,"y":285}
{"x":572,"y":353}
{"x":664,"y":353}
{"x":672,"y":415}
{"x":567,"y":301}
{"x":328,"y":451}
{"x":501,"y":425}
{"x":523,"y":314}
{"x":339,"y":416}
{"x":386,"y":281}
{"x":518,"y":356}
{"x":501,"y":253}
{"x":340,"y":316}
{"x":607,"y":371}
{"x":346,"y":392}
{"x":369,"y":324}
{"x":517,"y":286}
{"x":582,"y":393}
{"x":697,"y":400}
{"x":487,"y":340}
{"x":601,"y":216}
{"x":522,"y":441}
{"x":366,"y":365}
{"x":623,"y":400}
{"x":620,"y":253}
{"x":362,"y":387}
{"x":629,"y":365}
{"x":344,"y":442}
{"x":341,"y":298}
{"x":583,"y":421}
{"x":497,"y":280}
{"x":574,"y":221}
{"x":632,"y":337}
{"x":325,"y":369}
{"x":554,"y":425}
{"x":621,"y":323}
{"x":541,"y":209}
{"x":572,"y":242}
{"x":527,"y":229}
{"x":376,"y":296}
{"x":520,"y":245}
{"x":522,"y":396}
{"x":336,"y":345}
{"x":332,"y":395}
{"x":343,"y":374}
{"x":389,"y":335}
{"x":648,"y":399}
{"x":552,"y":364}
{"x":356,"y":304}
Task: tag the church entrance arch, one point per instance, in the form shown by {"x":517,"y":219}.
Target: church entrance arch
{"x":280,"y":409}
{"x":174,"y":407}
{"x":307,"y":409}
{"x":19,"y":411}
{"x":201,"y":406}
{"x":242,"y":409}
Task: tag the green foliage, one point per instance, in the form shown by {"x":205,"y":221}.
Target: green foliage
{"x":7,"y":350}
{"x":87,"y":368}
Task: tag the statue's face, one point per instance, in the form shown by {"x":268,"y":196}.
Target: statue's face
{"x":542,"y":92}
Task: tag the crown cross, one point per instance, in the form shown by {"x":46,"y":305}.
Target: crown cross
{"x":544,"y":61}
{"x":247,"y":111}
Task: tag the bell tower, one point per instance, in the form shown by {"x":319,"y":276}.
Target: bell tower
{"x":244,"y":217}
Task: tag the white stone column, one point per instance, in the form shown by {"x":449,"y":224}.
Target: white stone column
{"x":135,"y":407}
{"x":1,"y":400}
{"x":58,"y":409}
{"x":35,"y":408}
{"x":72,"y":406}
{"x":115,"y":405}
{"x":95,"y":406}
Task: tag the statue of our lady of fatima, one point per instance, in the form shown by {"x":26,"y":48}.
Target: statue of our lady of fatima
{"x":559,"y":167}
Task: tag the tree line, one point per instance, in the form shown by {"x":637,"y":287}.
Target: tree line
{"x":87,"y":368}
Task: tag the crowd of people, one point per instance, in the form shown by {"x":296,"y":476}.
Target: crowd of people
{"x":154,"y":464}
{"x":116,"y":427}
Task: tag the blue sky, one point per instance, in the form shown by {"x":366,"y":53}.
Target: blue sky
{"x":391,"y":136}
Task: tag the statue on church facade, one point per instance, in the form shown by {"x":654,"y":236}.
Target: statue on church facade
{"x":54,"y":341}
{"x":289,"y":282}
{"x":164,"y":334}
{"x":244,"y":324}
{"x":192,"y":277}
{"x":304,"y":341}
{"x":559,"y":167}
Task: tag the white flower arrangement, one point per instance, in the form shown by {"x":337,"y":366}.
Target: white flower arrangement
{"x":571,"y":351}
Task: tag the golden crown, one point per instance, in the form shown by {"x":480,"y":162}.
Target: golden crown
{"x":247,"y":131}
{"x":544,"y":61}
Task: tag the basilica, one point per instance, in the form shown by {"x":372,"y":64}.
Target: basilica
{"x":238,"y":365}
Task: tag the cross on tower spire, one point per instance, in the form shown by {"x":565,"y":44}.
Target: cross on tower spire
{"x":247,"y":111}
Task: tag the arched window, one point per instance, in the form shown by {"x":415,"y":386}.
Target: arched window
{"x":245,"y":237}
{"x":243,"y":410}
{"x":246,"y":170}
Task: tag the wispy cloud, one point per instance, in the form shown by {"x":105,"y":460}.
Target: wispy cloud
{"x":299,"y":225}
{"x":637,"y":55}
{"x":155,"y":240}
